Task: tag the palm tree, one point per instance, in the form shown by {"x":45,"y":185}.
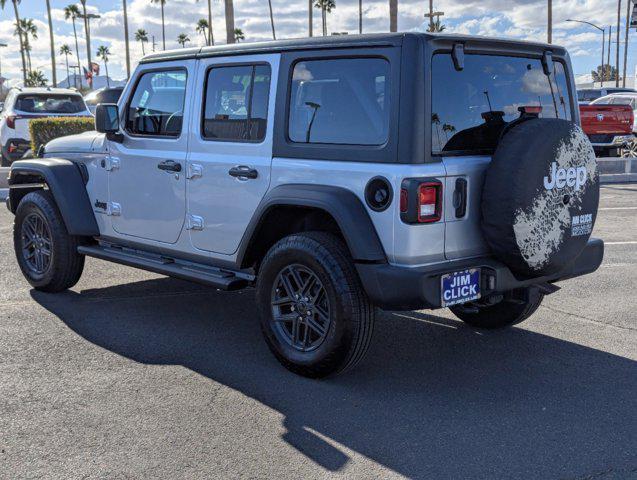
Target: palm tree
{"x":163,"y":24}
{"x":141,"y":36}
{"x":393,"y":15}
{"x":436,"y":26}
{"x":230,"y":30}
{"x":35,"y":78}
{"x":203,"y":27}
{"x":360,"y":16}
{"x":309,"y":19}
{"x":72,"y":12}
{"x":103,"y":52}
{"x":17,"y":21}
{"x":326,"y":7}
{"x":211,"y":38}
{"x":182,"y":39}
{"x":66,"y":51}
{"x":238,"y":35}
{"x":25,"y":28}
{"x":126,"y":39}
{"x":87,"y":33}
{"x":53,"y":72}
{"x":272,"y":20}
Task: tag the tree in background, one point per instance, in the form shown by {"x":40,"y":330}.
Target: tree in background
{"x":393,"y":15}
{"x":72,"y":12}
{"x":52,"y":44}
{"x":126,"y":42}
{"x":17,"y":22}
{"x":203,"y":28}
{"x":26,"y":28}
{"x":163,"y":23}
{"x":609,"y":74}
{"x":141,"y":36}
{"x":238,"y":35}
{"x":66,"y":51}
{"x":230,"y":30}
{"x":210,"y":37}
{"x":87,"y":33}
{"x":326,"y":7}
{"x":35,"y":78}
{"x":182,"y":39}
{"x":436,"y":26}
{"x":103,"y":52}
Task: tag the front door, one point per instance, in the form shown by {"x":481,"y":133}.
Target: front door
{"x":147,"y":185}
{"x":230,"y":148}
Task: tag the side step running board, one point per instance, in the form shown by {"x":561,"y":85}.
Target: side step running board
{"x":194,"y":272}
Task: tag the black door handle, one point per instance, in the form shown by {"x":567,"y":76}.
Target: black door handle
{"x":169,"y":166}
{"x":460,"y":197}
{"x":243,"y":171}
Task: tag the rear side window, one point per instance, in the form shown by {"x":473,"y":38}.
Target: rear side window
{"x":340,"y":101}
{"x":236,"y":103}
{"x":157,"y":105}
{"x":43,"y":103}
{"x":471,"y":107}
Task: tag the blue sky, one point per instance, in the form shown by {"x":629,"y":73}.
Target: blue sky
{"x":521,"y":19}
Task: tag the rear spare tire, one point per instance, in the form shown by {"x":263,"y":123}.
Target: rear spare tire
{"x":540,"y":196}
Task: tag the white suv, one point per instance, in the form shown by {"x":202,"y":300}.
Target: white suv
{"x":24,"y":104}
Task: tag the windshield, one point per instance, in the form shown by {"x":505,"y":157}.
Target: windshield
{"x":45,"y":103}
{"x":470,"y":107}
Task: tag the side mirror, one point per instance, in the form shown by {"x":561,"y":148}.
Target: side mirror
{"x":107,"y":118}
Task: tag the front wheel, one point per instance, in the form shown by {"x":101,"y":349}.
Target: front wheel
{"x":503,"y":314}
{"x":46,"y":253}
{"x":314,"y":313}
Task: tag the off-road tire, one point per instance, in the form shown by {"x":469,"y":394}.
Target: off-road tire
{"x":503,"y":314}
{"x":351,"y":315}
{"x":66,"y":265}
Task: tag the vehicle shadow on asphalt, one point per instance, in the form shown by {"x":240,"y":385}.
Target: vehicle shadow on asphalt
{"x":433,"y":398}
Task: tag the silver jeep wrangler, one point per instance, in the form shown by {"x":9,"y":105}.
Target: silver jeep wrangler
{"x":335,"y":175}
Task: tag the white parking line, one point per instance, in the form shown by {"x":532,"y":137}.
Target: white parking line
{"x":621,"y":243}
{"x":618,"y":208}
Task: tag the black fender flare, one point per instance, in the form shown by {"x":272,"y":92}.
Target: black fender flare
{"x":66,"y":183}
{"x":342,"y":204}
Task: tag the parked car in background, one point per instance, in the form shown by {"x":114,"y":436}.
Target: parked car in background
{"x":587,"y":95}
{"x":609,"y":127}
{"x":102,"y":95}
{"x":24,"y":104}
{"x":624,"y":98}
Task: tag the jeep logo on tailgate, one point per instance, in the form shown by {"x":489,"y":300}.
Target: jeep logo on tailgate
{"x":559,"y":177}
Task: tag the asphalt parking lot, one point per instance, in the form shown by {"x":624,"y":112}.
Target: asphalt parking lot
{"x":132,"y":375}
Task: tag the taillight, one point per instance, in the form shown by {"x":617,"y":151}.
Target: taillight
{"x":421,"y":200}
{"x":11,"y":121}
{"x":429,"y":202}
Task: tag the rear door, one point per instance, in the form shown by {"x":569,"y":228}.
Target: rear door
{"x":470,"y":108}
{"x":230,"y":153}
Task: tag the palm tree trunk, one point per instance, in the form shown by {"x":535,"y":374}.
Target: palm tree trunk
{"x":310,"y":16}
{"x":77,"y":51}
{"x":393,"y":15}
{"x":272,"y":20}
{"x":88,"y":37}
{"x":143,"y":52}
{"x":229,"y":7}
{"x":68,"y":77}
{"x":211,"y":40}
{"x":163,"y":26}
{"x":53,"y":72}
{"x":324,"y":18}
{"x":108,"y":84}
{"x":17,"y":22}
{"x":360,"y":16}
{"x":126,"y":40}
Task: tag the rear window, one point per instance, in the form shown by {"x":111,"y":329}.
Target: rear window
{"x":471,"y":107}
{"x":588,"y":95}
{"x":340,"y":101}
{"x":44,"y":103}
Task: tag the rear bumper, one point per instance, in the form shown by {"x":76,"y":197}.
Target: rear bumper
{"x":400,"y":288}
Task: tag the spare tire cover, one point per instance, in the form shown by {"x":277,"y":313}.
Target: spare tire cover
{"x":540,"y":196}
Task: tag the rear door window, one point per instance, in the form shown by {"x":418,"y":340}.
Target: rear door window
{"x":43,"y":103}
{"x":340,"y":101}
{"x":471,"y":107}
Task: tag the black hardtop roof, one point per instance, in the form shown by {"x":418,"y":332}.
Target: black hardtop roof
{"x":333,"y":42}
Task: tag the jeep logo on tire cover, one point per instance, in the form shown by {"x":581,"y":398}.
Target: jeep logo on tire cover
{"x":561,"y":177}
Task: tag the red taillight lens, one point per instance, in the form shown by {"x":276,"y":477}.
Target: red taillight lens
{"x":429,"y":202}
{"x":404,"y":200}
{"x":11,"y":121}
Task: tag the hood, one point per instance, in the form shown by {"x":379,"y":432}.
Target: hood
{"x":87,"y":142}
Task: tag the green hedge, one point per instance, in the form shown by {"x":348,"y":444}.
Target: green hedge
{"x":45,"y":129}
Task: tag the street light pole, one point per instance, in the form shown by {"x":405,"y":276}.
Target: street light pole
{"x":619,"y":7}
{"x":626,"y":41}
{"x":549,"y":29}
{"x":603,"y":42}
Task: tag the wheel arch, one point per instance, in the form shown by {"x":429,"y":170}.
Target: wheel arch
{"x":67,"y":183}
{"x":288,"y":209}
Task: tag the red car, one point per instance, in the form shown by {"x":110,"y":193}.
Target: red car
{"x":609,"y":127}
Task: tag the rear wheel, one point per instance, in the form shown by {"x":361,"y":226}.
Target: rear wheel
{"x":503,"y":314}
{"x":46,"y":253}
{"x":630,"y":150}
{"x":314,"y":313}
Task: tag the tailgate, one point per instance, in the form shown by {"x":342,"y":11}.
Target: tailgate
{"x":598,"y":119}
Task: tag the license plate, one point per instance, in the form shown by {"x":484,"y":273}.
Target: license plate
{"x":460,"y":287}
